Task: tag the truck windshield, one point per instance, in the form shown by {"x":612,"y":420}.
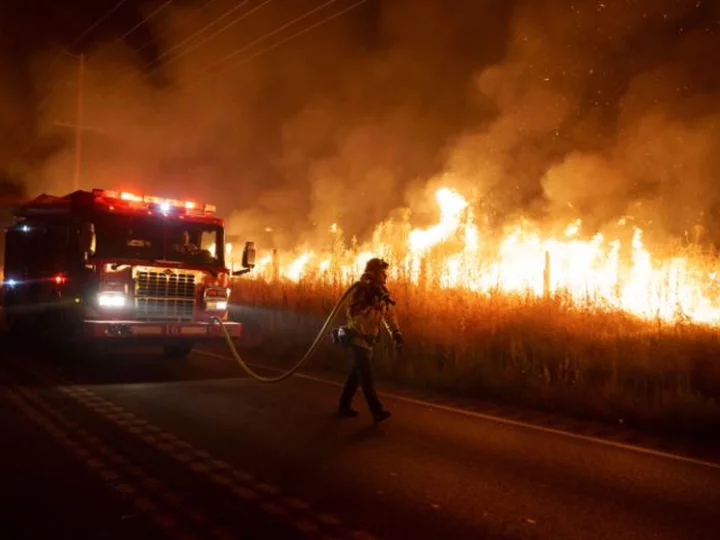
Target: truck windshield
{"x":152,"y":238}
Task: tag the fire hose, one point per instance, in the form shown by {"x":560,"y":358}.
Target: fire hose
{"x":310,"y":352}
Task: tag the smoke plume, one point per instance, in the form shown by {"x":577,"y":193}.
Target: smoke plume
{"x":546,"y":108}
{"x":602,"y":109}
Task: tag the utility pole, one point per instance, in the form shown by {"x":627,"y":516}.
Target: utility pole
{"x":78,"y":123}
{"x":78,"y":126}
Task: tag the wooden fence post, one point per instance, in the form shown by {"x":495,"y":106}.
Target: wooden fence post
{"x":275,"y":265}
{"x":546,"y":276}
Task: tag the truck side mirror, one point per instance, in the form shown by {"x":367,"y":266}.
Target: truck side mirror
{"x":248,"y":259}
{"x":248,"y":256}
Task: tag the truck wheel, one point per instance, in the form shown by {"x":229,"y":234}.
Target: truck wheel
{"x":177,"y":351}
{"x":16,"y":325}
{"x":11,"y":323}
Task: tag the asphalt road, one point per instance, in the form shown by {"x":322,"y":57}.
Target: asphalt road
{"x":134,"y":446}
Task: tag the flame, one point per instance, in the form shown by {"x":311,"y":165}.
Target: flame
{"x":451,"y":206}
{"x":456,"y":253}
{"x":212,"y":248}
{"x":295,"y":270}
{"x":573,"y":229}
{"x":263,"y":264}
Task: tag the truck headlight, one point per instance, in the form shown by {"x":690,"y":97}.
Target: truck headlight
{"x":216,"y":305}
{"x":216,"y":299}
{"x":111,"y":299}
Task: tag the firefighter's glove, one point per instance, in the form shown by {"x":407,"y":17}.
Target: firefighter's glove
{"x":342,"y":336}
{"x":398,"y":339}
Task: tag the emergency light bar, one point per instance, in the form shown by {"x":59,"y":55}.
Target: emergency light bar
{"x":165,"y":205}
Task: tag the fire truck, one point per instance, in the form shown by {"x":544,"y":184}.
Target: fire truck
{"x":108,"y":267}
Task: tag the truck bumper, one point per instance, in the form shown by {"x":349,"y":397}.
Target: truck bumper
{"x":145,"y":331}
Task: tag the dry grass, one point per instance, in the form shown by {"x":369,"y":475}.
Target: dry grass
{"x":542,"y":353}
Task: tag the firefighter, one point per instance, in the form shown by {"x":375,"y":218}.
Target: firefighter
{"x":187,"y":246}
{"x":370,"y":307}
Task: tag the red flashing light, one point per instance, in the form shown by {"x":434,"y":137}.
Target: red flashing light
{"x":59,"y":279}
{"x":164,"y":205}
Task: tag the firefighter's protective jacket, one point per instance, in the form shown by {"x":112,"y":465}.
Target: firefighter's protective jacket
{"x":368,"y":310}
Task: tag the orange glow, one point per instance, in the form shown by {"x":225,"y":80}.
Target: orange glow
{"x":615,"y":272}
{"x":130,"y":197}
{"x":297,"y":267}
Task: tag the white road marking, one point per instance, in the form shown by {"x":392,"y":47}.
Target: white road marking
{"x":496,"y":419}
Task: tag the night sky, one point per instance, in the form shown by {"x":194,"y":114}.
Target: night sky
{"x":549,"y":108}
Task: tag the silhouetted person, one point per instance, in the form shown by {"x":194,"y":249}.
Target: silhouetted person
{"x":370,"y":307}
{"x":186,"y":246}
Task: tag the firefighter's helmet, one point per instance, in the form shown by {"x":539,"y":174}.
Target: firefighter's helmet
{"x":375,"y":265}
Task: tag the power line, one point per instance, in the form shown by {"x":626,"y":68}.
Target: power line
{"x":144,"y":21}
{"x":190,"y":38}
{"x":55,"y":60}
{"x":202,"y":30}
{"x":196,"y":79}
{"x":80,"y":84}
{"x":138,"y":25}
{"x":77,"y":40}
{"x":269,"y":35}
{"x":98,"y":22}
{"x":50,"y":92}
{"x":150,"y":42}
{"x":195,"y":45}
{"x":220,"y":31}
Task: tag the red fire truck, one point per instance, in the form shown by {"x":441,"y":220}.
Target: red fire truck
{"x":119,"y":268}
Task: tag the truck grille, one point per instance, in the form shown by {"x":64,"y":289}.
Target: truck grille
{"x":162,"y":296}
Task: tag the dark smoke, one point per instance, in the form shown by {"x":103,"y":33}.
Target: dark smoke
{"x":602,"y":109}
{"x":553,"y":108}
{"x":39,"y":44}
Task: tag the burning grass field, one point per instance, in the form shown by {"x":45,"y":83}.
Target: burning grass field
{"x":544,"y":353}
{"x":595,"y":324}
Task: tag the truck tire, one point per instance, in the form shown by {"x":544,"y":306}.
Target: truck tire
{"x":12,"y":325}
{"x":177,"y":351}
{"x":17,"y":325}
